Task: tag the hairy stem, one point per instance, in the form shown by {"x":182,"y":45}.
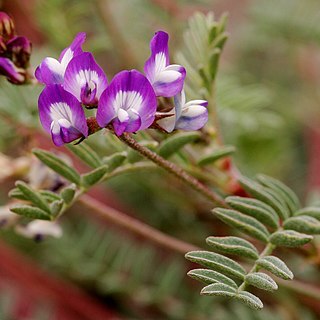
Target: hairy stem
{"x":173,"y":169}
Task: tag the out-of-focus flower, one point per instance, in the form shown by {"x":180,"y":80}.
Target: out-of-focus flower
{"x":129,"y":103}
{"x":7,"y":218}
{"x":167,"y":79}
{"x":11,"y":72}
{"x":19,"y":49}
{"x":7,"y":30}
{"x":192,"y":115}
{"x":39,"y":229}
{"x":51,"y":71}
{"x":61,"y":115}
{"x":85,"y":79}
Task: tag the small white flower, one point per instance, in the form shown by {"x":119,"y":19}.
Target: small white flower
{"x":7,"y":218}
{"x":39,"y":229}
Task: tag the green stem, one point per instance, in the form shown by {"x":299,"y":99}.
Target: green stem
{"x":174,"y":169}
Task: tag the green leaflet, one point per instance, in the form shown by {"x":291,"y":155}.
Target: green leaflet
{"x":31,"y":212}
{"x":309,"y":211}
{"x":250,"y":299}
{"x":84,"y":152}
{"x":247,"y":225}
{"x":213,"y":62}
{"x":289,"y":238}
{"x":304,"y":224}
{"x":255,"y":208}
{"x":209,"y":276}
{"x":49,"y":195}
{"x":33,"y":196}
{"x":57,"y":165}
{"x":134,"y":156}
{"x":217,"y":262}
{"x":257,"y":191}
{"x":216,"y":155}
{"x":56,"y":207}
{"x":233,"y":245}
{"x":115,"y":160}
{"x":286,"y":193}
{"x":276,"y":266}
{"x":94,"y":176}
{"x":261,"y":281}
{"x":219,"y":289}
{"x":177,"y":141}
{"x":68,"y":193}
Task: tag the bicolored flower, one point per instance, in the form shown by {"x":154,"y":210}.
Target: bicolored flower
{"x":129,"y":103}
{"x":9,"y":70}
{"x":51,"y":71}
{"x":189,"y":116}
{"x":85,"y":79}
{"x":39,"y":229}
{"x":167,"y":79}
{"x":62,"y":115}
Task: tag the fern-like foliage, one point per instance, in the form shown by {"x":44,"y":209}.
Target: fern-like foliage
{"x":272,"y":216}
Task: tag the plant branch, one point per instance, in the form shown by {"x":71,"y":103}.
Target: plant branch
{"x":173,"y":169}
{"x":135,"y":226}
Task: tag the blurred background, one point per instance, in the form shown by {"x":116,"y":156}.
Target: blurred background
{"x":267,"y":96}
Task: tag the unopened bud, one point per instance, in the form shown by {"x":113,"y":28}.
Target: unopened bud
{"x":7,"y":30}
{"x":19,"y":50}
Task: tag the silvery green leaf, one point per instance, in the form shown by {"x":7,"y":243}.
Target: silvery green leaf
{"x":57,"y":165}
{"x":255,"y":208}
{"x":84,"y":152}
{"x":17,"y":194}
{"x":309,"y":211}
{"x":249,"y":299}
{"x":277,"y":197}
{"x":33,"y":196}
{"x":177,"y":141}
{"x":216,"y":155}
{"x":31,"y":212}
{"x":209,"y":276}
{"x":288,"y":195}
{"x":213,"y":62}
{"x":304,"y":224}
{"x":289,"y":238}
{"x":134,"y":156}
{"x":219,"y":289}
{"x":94,"y":176}
{"x":246,"y":224}
{"x":49,"y":195}
{"x":115,"y":160}
{"x":261,"y":281}
{"x":233,"y":245}
{"x":67,"y":193}
{"x":217,"y":262}
{"x":276,"y":266}
{"x":56,"y":207}
{"x":257,"y":191}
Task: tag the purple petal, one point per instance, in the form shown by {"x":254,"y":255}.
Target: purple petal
{"x":51,"y":71}
{"x":20,"y":51}
{"x":85,"y":79}
{"x":159,"y":57}
{"x":169,"y":82}
{"x":61,"y":115}
{"x":73,"y":50}
{"x":129,"y":91}
{"x":8,"y":69}
{"x":193,"y":117}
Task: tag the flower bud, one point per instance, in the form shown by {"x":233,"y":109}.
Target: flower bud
{"x":19,"y":50}
{"x":9,"y":70}
{"x":7,"y":30}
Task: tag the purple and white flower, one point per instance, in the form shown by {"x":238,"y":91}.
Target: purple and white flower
{"x":13,"y":74}
{"x":167,"y":79}
{"x":129,"y":103}
{"x":51,"y":71}
{"x":189,"y":116}
{"x":85,"y":79}
{"x":62,"y":115}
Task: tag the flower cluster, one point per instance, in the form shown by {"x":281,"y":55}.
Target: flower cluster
{"x":129,"y":103}
{"x":15,"y":52}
